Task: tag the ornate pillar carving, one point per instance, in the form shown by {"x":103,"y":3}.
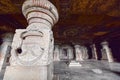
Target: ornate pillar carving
{"x":107,"y":50}
{"x":32,"y":48}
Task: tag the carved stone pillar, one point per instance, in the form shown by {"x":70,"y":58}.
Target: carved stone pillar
{"x":79,"y":57}
{"x":5,"y":49}
{"x":71,"y":56}
{"x":107,"y":50}
{"x":84,"y":52}
{"x":32,"y":48}
{"x":57,"y":53}
{"x":94,"y":52}
{"x":78,"y":53}
{"x":104,"y":55}
{"x":66,"y":52}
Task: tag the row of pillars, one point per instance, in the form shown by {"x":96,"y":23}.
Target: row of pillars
{"x":106,"y":52}
{"x":81,"y":53}
{"x":78,"y":53}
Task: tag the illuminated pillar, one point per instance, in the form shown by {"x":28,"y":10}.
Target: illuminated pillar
{"x":32,"y":48}
{"x":105,"y":46}
{"x":94,"y":52}
{"x":78,"y":53}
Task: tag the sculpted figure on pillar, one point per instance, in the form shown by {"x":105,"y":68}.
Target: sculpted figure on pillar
{"x":34,"y":45}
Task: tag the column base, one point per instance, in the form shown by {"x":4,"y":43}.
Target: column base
{"x":74,"y":64}
{"x":28,"y":73}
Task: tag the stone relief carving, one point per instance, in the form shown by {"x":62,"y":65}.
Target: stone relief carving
{"x":29,"y":47}
{"x":34,"y":45}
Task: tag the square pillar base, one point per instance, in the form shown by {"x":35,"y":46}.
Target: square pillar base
{"x":28,"y":73}
{"x":74,"y":64}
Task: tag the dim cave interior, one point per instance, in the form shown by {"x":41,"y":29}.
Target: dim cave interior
{"x":59,"y":39}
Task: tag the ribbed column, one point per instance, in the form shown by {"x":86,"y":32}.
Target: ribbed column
{"x":107,"y":50}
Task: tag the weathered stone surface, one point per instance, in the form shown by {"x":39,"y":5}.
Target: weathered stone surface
{"x":28,"y":73}
{"x":33,"y":47}
{"x":90,"y":70}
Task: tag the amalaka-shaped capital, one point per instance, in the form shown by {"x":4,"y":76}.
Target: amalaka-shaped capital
{"x":105,"y":43}
{"x":40,"y":11}
{"x":77,"y":46}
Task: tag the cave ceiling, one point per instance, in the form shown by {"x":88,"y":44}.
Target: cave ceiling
{"x":81,"y":21}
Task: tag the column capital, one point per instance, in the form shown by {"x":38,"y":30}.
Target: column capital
{"x":77,"y":46}
{"x":105,"y":43}
{"x":40,"y":11}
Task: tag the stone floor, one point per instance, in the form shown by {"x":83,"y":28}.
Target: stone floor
{"x":90,"y":70}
